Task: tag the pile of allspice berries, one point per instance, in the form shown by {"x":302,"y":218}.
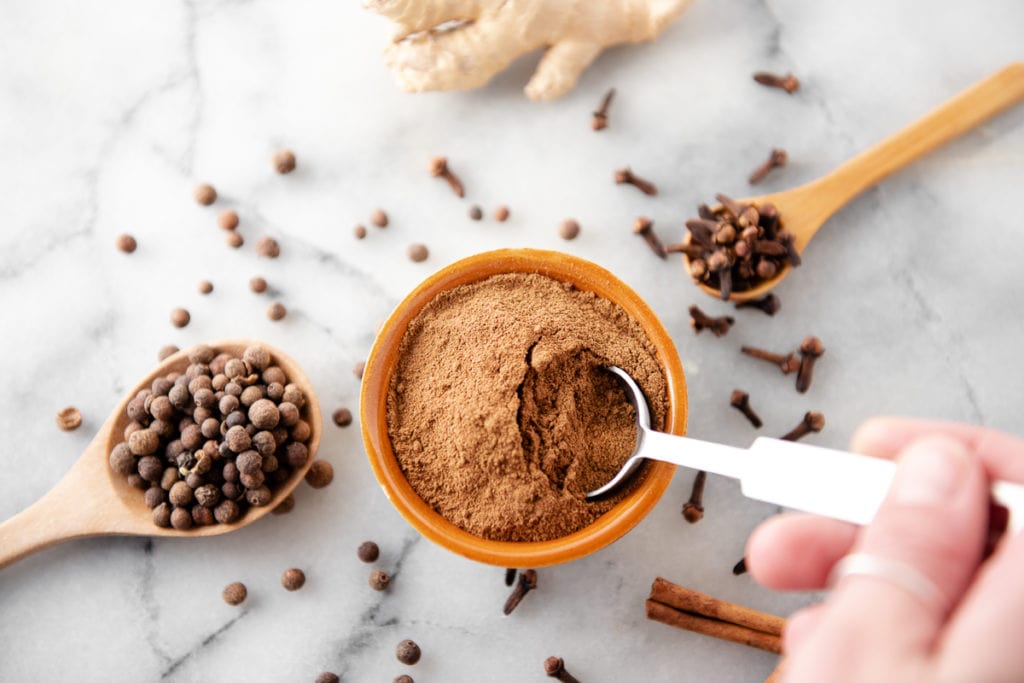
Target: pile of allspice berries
{"x":207,"y":443}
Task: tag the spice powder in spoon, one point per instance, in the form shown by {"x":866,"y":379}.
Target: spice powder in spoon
{"x":500,"y":412}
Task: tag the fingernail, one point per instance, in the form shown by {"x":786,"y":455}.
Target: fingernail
{"x":929,"y":471}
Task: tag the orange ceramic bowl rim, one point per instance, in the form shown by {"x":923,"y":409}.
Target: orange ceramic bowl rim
{"x":381,"y":364}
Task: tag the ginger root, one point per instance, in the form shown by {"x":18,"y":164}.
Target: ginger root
{"x":462,"y":44}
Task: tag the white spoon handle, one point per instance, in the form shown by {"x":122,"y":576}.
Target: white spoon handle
{"x":836,"y":484}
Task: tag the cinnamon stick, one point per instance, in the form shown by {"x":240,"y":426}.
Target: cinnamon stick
{"x":689,"y":600}
{"x":713,"y":627}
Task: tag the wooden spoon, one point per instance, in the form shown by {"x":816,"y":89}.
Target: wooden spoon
{"x":92,"y":500}
{"x":803,"y":210}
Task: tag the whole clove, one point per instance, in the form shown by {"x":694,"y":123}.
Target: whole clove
{"x":789,"y":82}
{"x":699,"y":321}
{"x":693,"y":509}
{"x":740,"y":400}
{"x":811,"y":422}
{"x":740,"y":567}
{"x":811,"y":349}
{"x":644,"y":227}
{"x":600,"y":120}
{"x":555,"y":668}
{"x":527,"y":582}
{"x":439,"y":169}
{"x":787,"y":363}
{"x":776,"y":158}
{"x":625,"y":176}
{"x":769,"y":304}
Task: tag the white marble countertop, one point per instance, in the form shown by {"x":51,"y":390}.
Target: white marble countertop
{"x":109,"y":114}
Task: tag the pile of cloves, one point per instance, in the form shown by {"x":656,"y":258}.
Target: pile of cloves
{"x":734,"y":247}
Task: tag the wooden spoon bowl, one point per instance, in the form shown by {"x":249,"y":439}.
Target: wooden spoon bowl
{"x":803,"y":210}
{"x":93,"y":500}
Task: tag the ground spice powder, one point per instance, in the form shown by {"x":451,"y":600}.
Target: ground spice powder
{"x":500,"y":413}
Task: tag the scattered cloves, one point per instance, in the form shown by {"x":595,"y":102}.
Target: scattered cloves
{"x":789,"y":82}
{"x":778,"y":157}
{"x":627,"y":177}
{"x":555,"y":667}
{"x":769,"y":303}
{"x":510,"y":576}
{"x":811,"y":349}
{"x":527,"y":582}
{"x":693,"y":509}
{"x":644,"y":227}
{"x":439,"y":169}
{"x":600,"y":121}
{"x":740,"y":400}
{"x":812,"y":422}
{"x":699,"y":320}
{"x":787,"y":363}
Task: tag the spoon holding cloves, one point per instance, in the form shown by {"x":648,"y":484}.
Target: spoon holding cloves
{"x":802,"y":211}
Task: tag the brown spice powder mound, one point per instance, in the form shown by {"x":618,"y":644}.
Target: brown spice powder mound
{"x":500,"y":413}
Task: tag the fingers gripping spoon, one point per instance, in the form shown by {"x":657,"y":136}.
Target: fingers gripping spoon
{"x":831,"y":483}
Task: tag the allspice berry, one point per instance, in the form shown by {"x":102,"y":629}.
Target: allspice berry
{"x":404,"y":678}
{"x":227,"y":219}
{"x":293,"y":579}
{"x":276,"y":311}
{"x":263,"y":414}
{"x":162,"y":515}
{"x":379,"y":580}
{"x":342,"y":417}
{"x":569,"y":229}
{"x":180,"y":494}
{"x":501,"y":213}
{"x":418,"y":252}
{"x":284,"y":161}
{"x":268,"y":247}
{"x":205,"y":287}
{"x":69,"y":419}
{"x":359,"y":231}
{"x":327,"y":677}
{"x":204,"y":194}
{"x":379,"y":218}
{"x":181,"y":519}
{"x":234,"y":240}
{"x":368,"y":551}
{"x":126,"y":243}
{"x":166,"y":352}
{"x":235,"y":593}
{"x":475,"y":213}
{"x":258,"y":285}
{"x":180,"y":317}
{"x":320,"y":474}
{"x":408,"y":652}
{"x":143,"y":442}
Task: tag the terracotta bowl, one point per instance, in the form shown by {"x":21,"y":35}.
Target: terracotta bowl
{"x":384,"y":358}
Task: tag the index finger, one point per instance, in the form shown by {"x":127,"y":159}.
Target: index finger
{"x":1001,"y":453}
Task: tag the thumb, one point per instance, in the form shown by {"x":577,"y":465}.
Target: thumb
{"x":919,"y":556}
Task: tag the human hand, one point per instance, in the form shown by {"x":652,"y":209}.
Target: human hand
{"x":935,"y":609}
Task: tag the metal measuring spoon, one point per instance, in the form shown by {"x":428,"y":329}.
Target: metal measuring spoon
{"x":837,"y":484}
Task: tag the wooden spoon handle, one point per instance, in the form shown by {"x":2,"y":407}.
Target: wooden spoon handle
{"x":77,"y":507}
{"x":963,"y":112}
